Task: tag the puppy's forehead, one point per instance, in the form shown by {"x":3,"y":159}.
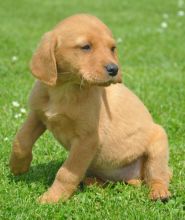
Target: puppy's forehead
{"x":94,"y":39}
{"x":83,"y":24}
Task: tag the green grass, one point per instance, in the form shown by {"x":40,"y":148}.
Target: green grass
{"x":153,"y":66}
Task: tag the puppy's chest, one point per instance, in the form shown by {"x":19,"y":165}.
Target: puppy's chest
{"x":60,"y":116}
{"x":67,"y":121}
{"x":61,"y":121}
{"x":68,"y":118}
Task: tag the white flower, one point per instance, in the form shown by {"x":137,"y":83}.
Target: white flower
{"x":17,"y":115}
{"x":15,"y":104}
{"x":164,"y":24}
{"x":14,"y":58}
{"x":6,"y":139}
{"x":119,"y":40}
{"x":165,"y":16}
{"x":180,"y":13}
{"x":23,"y":110}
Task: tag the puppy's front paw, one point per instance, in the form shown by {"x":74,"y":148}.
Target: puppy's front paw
{"x":160,"y":193}
{"x":55,"y":193}
{"x":49,"y":197}
{"x":19,"y":165}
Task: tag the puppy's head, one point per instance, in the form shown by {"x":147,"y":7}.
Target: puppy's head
{"x":80,"y":49}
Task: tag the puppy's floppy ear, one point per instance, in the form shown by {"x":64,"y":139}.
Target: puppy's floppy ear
{"x":43,"y":63}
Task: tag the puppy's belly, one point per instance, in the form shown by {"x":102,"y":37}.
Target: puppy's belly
{"x":125,"y":173}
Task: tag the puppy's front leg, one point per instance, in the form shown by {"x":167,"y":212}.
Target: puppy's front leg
{"x":73,"y":170}
{"x":21,"y":155}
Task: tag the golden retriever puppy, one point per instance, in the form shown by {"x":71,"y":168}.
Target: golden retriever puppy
{"x":107,"y":130}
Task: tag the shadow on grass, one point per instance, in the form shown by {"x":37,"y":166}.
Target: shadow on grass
{"x":45,"y":174}
{"x":41,"y":173}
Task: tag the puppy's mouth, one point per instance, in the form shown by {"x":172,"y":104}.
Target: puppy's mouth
{"x":102,"y":83}
{"x":92,"y":79}
{"x":96,"y":82}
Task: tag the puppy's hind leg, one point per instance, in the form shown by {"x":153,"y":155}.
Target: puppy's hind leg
{"x":21,"y":155}
{"x":157,"y":173}
{"x":134,"y":182}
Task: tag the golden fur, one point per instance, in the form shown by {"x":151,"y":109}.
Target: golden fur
{"x":108,"y":131}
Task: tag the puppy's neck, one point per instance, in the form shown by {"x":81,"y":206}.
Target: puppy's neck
{"x":73,"y":93}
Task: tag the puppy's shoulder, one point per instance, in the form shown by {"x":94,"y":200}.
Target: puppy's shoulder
{"x":120,"y":95}
{"x":119,"y":90}
{"x":39,"y":96}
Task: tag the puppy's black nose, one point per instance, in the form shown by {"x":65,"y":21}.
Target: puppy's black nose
{"x":112,"y":69}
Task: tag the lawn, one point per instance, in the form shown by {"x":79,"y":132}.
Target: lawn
{"x":151,"y":44}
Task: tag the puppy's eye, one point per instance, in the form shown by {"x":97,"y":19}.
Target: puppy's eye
{"x":113,"y":48}
{"x":86,"y":47}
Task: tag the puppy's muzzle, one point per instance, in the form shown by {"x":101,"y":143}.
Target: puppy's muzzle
{"x":112,"y":69}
